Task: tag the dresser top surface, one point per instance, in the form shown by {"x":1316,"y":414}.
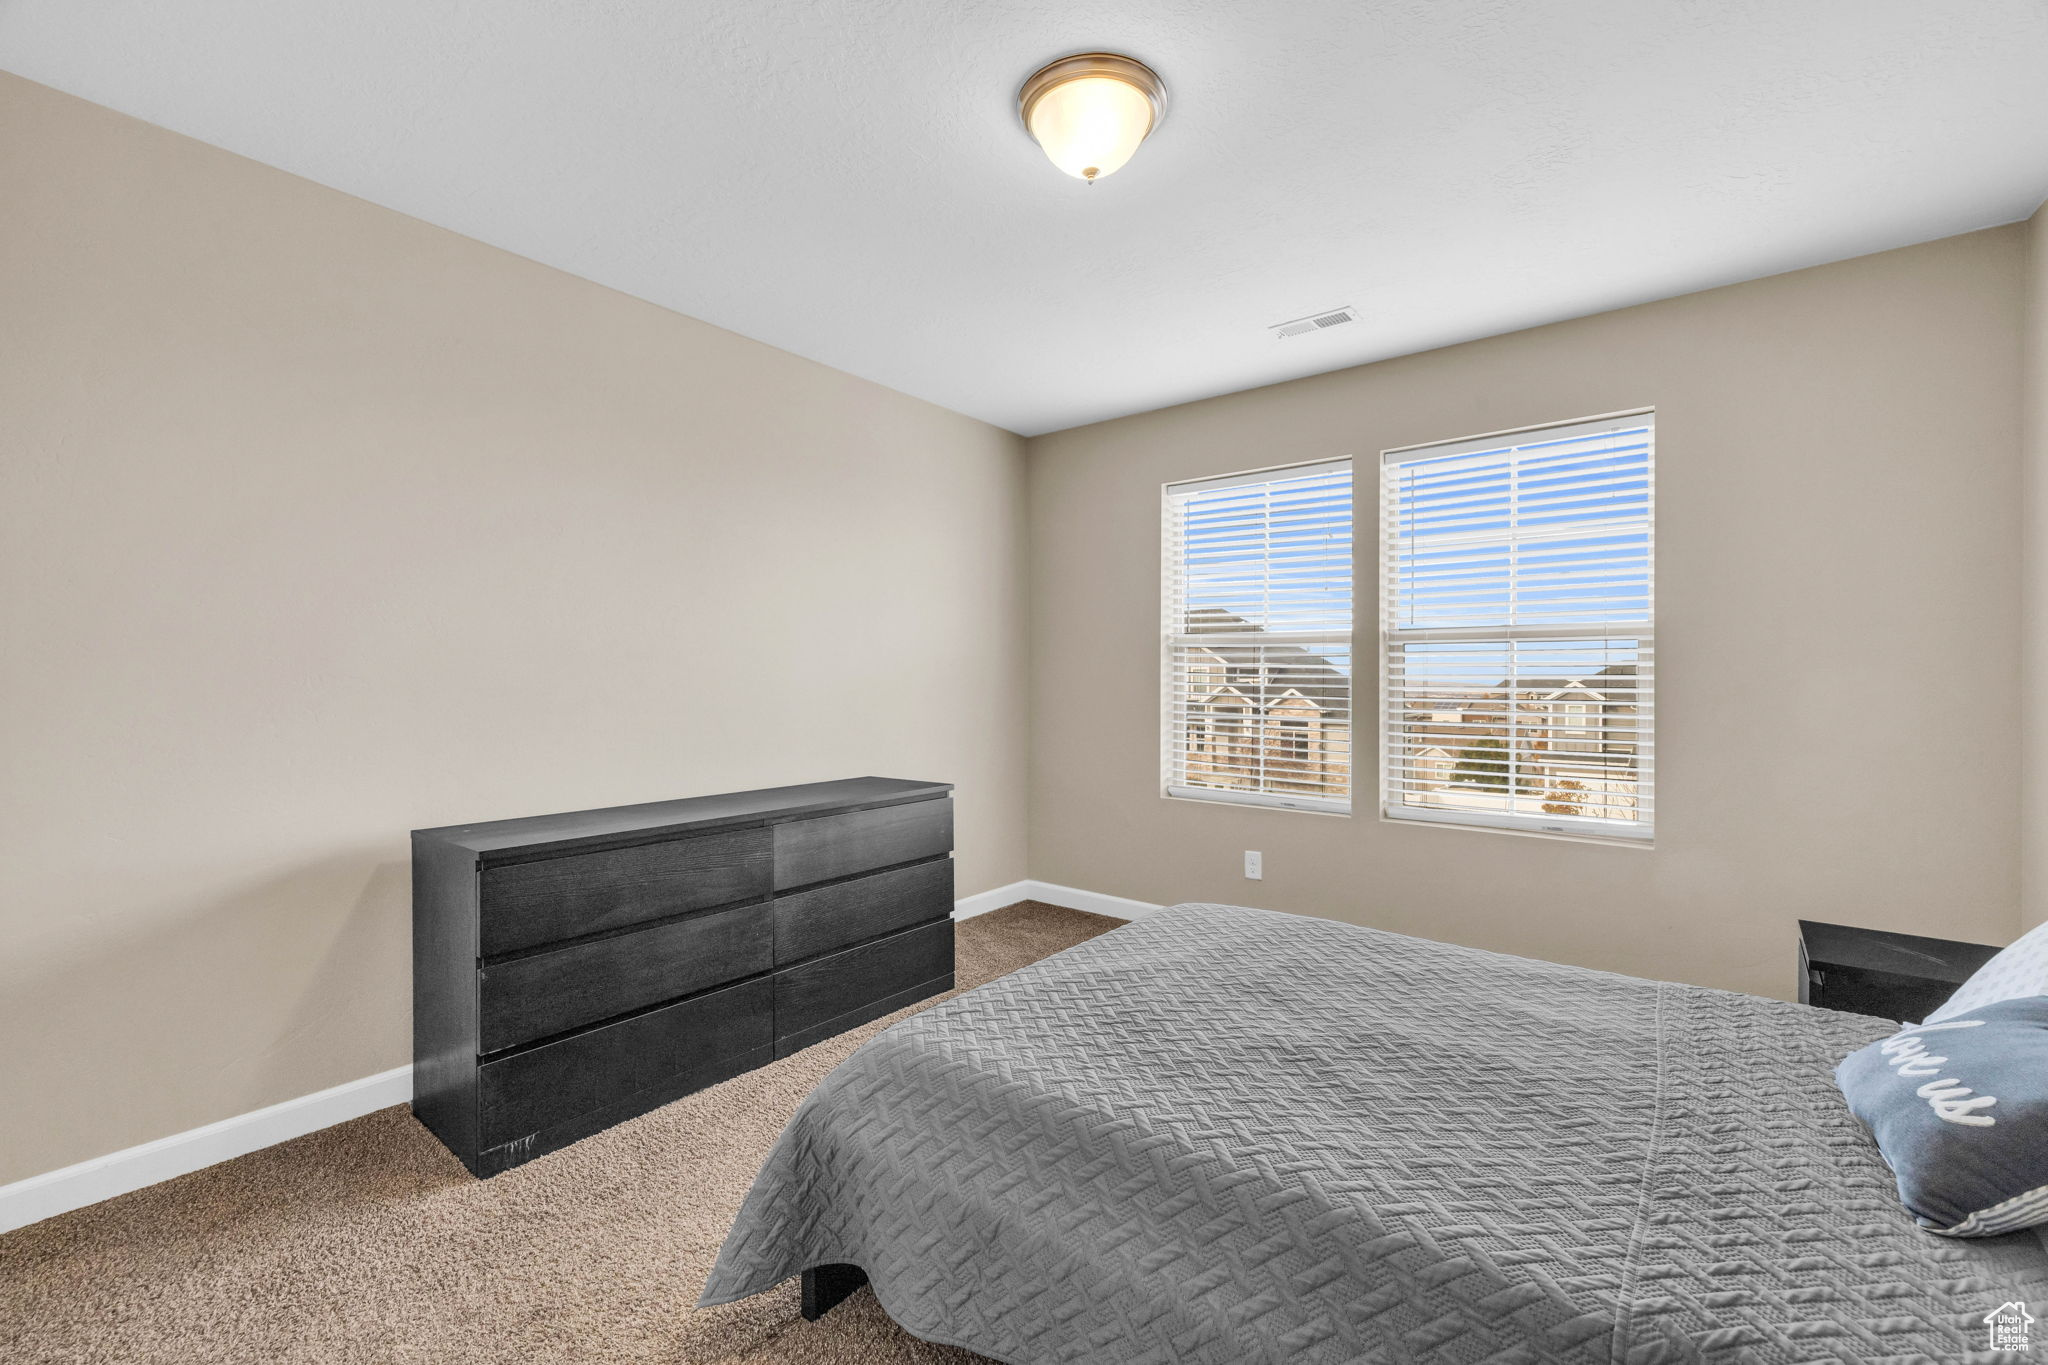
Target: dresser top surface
{"x":1936,"y":959}
{"x":768,"y":805}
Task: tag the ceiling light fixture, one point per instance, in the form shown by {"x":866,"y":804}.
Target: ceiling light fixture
{"x":1089,"y":112}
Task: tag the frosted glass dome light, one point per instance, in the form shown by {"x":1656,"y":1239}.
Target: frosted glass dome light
{"x":1090,"y":112}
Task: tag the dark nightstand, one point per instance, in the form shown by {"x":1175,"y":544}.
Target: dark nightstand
{"x":1870,"y":971}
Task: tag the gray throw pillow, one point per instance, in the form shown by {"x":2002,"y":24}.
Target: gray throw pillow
{"x":2020,"y":969}
{"x":1959,"y":1108}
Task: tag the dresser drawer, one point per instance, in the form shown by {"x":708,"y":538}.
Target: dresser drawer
{"x":817,"y":999}
{"x":531,"y":903}
{"x":532,"y":997}
{"x":680,"y":1048}
{"x":827,"y":917}
{"x":859,"y":841}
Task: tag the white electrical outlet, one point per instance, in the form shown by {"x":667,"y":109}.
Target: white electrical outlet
{"x":1254,"y":865}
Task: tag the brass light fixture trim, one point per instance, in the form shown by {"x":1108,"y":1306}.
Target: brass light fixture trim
{"x":1092,"y":66}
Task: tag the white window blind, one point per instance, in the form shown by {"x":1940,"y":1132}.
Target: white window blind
{"x":1517,"y":630}
{"x":1257,"y":657}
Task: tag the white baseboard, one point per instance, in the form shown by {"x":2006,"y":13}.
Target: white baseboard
{"x":1116,"y":907}
{"x":103,"y":1177}
{"x":971,"y":906}
{"x":1094,"y":902}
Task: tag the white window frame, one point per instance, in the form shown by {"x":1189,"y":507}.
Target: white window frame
{"x":1171,"y":739}
{"x":1616,"y":832}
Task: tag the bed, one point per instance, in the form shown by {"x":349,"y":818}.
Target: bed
{"x":1228,"y":1135}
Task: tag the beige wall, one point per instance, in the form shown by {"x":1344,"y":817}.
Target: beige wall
{"x":1838,"y":561}
{"x":2034,"y":605}
{"x":318,"y":524}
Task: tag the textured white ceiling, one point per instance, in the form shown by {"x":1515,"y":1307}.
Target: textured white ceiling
{"x":848,"y":180}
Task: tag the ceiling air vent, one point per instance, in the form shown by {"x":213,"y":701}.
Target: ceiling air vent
{"x":1314,"y":322}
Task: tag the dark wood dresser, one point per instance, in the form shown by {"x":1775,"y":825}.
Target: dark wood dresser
{"x":571,"y":971}
{"x":1873,"y":971}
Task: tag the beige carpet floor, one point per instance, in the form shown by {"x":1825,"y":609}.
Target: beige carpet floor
{"x":368,"y":1242}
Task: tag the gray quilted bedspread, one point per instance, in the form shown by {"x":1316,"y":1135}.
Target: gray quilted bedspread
{"x":1226,"y":1135}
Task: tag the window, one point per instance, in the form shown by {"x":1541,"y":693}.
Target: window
{"x":1258,"y":638}
{"x":1294,"y":742}
{"x":1578,"y":728}
{"x":1517,"y":636}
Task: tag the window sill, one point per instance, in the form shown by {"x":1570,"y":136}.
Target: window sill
{"x":1563,"y":831}
{"x":1302,"y":805}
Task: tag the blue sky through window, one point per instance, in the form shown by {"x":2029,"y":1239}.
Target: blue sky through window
{"x":1274,"y":556}
{"x":1549,"y":533}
